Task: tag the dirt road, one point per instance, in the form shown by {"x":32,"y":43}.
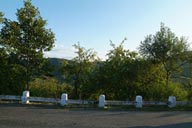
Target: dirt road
{"x":19,"y":116}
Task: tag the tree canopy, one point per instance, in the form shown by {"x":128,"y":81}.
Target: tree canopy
{"x":79,"y":69}
{"x":26,"y":39}
{"x":166,"y":48}
{"x":122,"y":76}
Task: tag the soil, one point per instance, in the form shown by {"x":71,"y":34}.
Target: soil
{"x":30,"y":116}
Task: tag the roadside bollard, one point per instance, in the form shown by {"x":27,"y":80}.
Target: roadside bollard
{"x":139,"y":102}
{"x":102,"y":101}
{"x":172,"y":101}
{"x":64,"y":98}
{"x":24,"y":98}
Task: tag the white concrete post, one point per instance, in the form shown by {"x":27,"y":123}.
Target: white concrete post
{"x":171,"y":101}
{"x":64,"y":98}
{"x":139,"y":101}
{"x":102,"y":101}
{"x":25,"y":96}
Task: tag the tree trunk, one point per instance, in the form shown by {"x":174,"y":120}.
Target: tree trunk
{"x":167,"y":77}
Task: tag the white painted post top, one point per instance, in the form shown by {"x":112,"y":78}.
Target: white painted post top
{"x":24,"y":98}
{"x":102,"y":101}
{"x":139,"y":101}
{"x":171,"y":101}
{"x":64,"y":99}
{"x":26,"y":93}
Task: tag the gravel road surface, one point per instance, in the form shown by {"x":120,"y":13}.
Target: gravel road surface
{"x":27,"y":116}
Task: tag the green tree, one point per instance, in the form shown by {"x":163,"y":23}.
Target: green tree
{"x":79,"y":69}
{"x":165,"y":48}
{"x":117,"y":73}
{"x":3,"y":66}
{"x":1,"y":17}
{"x":11,"y":75}
{"x":124,"y":75}
{"x":27,"y":39}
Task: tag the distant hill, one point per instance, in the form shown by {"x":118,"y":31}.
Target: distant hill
{"x":183,"y":76}
{"x":57,"y":65}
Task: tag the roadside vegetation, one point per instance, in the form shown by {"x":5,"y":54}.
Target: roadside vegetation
{"x":161,"y":67}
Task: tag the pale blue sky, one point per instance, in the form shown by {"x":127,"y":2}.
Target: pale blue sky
{"x":94,"y":22}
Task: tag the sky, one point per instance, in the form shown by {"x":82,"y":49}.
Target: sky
{"x":94,"y":23}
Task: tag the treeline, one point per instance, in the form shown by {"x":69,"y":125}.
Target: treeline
{"x":125,"y":74}
{"x":22,"y":44}
{"x":160,"y":68}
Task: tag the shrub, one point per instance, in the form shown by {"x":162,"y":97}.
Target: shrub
{"x":48,"y":87}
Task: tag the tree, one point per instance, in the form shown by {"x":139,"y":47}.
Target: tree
{"x":117,"y":73}
{"x":1,"y":17}
{"x":165,"y":48}
{"x":27,"y":39}
{"x":79,"y":69}
{"x":11,"y":75}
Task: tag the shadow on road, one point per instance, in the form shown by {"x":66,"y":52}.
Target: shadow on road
{"x":179,"y":125}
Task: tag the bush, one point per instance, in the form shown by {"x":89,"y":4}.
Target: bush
{"x":161,"y":92}
{"x":48,"y":87}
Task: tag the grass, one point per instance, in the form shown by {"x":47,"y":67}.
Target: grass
{"x":151,"y":108}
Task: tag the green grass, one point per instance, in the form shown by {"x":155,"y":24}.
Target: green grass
{"x":151,"y":108}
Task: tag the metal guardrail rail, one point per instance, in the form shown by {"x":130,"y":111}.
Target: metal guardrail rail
{"x":71,"y":101}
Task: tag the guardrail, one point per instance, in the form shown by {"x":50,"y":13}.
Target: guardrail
{"x":10,"y":97}
{"x":42,"y":99}
{"x":25,"y":98}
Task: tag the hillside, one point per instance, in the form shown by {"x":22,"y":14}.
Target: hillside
{"x":57,"y":65}
{"x":183,"y":76}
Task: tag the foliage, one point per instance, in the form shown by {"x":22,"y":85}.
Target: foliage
{"x":117,"y":72}
{"x":79,"y":69}
{"x":27,"y":39}
{"x":1,"y":17}
{"x":122,"y":76}
{"x":11,"y":75}
{"x":49,"y":87}
{"x":12,"y":79}
{"x":188,"y":88}
{"x":165,"y":48}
